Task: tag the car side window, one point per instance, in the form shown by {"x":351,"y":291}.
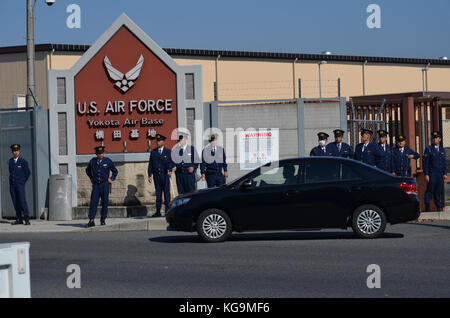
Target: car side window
{"x":321,"y":171}
{"x":287,"y":174}
{"x":350,"y":173}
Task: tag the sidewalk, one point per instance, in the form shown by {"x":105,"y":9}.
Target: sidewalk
{"x":112,"y":224}
{"x":435,"y":216}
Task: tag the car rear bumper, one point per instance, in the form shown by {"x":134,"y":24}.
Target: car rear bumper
{"x":410,"y":211}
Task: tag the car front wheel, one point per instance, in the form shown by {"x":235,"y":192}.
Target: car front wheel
{"x":214,"y":225}
{"x":368,"y":221}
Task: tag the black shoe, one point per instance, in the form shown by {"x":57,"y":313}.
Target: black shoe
{"x":427,"y":208}
{"x":91,"y":223}
{"x":102,"y":221}
{"x":157,"y":214}
{"x":439,"y":209}
{"x":27,"y":220}
{"x":17,"y":222}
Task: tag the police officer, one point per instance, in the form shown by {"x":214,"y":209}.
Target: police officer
{"x":99,"y":171}
{"x":338,"y":148}
{"x":321,"y":149}
{"x":385,"y":161}
{"x":213,"y":162}
{"x":366,"y":151}
{"x":160,"y":167}
{"x":435,"y":170}
{"x":186,"y":162}
{"x":401,"y":158}
{"x":18,"y":176}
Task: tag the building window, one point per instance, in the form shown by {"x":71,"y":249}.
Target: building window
{"x":64,"y":168}
{"x":62,"y":134}
{"x":20,"y":101}
{"x":190,"y":95}
{"x":61,"y":88}
{"x":447,"y":111}
{"x":190,"y":123}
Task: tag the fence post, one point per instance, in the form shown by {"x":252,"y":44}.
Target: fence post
{"x":339,"y":87}
{"x":299,"y":88}
{"x":409,"y":125}
{"x":215,"y":90}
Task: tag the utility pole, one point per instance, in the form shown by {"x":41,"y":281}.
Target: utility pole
{"x":30,"y":53}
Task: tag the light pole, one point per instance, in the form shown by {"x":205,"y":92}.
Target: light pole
{"x":320,"y":79}
{"x":30,"y":51}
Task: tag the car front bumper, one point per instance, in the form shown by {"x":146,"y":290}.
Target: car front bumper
{"x":179,"y":222}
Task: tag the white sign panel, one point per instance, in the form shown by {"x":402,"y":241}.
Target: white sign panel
{"x":258,"y":147}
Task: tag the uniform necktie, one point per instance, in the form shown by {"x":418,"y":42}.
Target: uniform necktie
{"x":384,"y":148}
{"x":160,"y":151}
{"x":364,"y":148}
{"x":401,"y":150}
{"x":339,"y":147}
{"x":213,"y":151}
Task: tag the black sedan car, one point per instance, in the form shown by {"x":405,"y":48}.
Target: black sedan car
{"x":301,"y":193}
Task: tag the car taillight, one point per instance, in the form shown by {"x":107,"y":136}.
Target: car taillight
{"x":409,"y":188}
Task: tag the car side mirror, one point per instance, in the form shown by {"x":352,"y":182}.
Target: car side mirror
{"x":247,"y":184}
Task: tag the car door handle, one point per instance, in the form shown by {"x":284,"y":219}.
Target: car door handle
{"x":354,"y":189}
{"x":290,"y":193}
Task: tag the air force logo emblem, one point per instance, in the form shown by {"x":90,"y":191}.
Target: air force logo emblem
{"x":124,"y":81}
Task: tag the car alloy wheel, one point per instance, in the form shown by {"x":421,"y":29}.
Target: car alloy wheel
{"x":214,"y":226}
{"x":369,"y":222}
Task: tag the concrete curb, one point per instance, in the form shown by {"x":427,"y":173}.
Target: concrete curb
{"x":116,"y":225}
{"x":437,"y":216}
{"x":141,"y":225}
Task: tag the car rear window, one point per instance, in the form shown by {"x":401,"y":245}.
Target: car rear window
{"x":322,"y":171}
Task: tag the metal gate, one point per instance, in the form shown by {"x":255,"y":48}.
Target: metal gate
{"x":29,"y":128}
{"x":410,"y":114}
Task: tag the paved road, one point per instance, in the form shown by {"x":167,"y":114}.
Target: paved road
{"x":414,"y":261}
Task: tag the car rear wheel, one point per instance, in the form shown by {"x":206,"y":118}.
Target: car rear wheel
{"x":368,"y":221}
{"x":214,"y":225}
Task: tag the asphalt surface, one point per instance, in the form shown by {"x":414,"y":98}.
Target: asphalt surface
{"x":414,"y":260}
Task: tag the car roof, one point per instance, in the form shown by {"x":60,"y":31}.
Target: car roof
{"x":330,"y":158}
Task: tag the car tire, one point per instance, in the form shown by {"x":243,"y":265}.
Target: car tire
{"x":368,"y":221}
{"x":214,"y":225}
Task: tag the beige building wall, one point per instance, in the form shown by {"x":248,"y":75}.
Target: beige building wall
{"x":13,"y":78}
{"x":391,"y":78}
{"x":62,"y":60}
{"x":244,"y":78}
{"x":438,"y":78}
{"x":254,"y":79}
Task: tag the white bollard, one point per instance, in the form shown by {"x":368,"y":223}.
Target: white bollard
{"x":15,"y":270}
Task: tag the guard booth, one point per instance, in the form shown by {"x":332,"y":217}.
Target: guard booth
{"x":29,"y":128}
{"x":414,"y":115}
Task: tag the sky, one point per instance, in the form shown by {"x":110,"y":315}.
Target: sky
{"x":409,"y":28}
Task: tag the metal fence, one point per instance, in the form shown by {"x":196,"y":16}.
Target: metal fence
{"x":29,"y":128}
{"x":297,"y":121}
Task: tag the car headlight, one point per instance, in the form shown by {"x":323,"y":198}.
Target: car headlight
{"x":179,"y":202}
